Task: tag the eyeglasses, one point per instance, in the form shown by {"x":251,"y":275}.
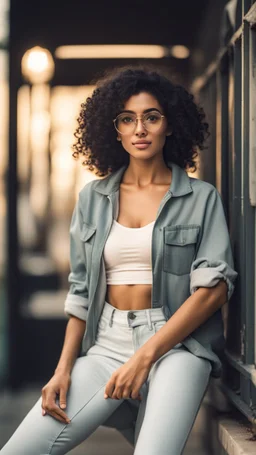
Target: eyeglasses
{"x":126,"y":123}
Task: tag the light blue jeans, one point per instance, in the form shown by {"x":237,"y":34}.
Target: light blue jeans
{"x":162,"y":421}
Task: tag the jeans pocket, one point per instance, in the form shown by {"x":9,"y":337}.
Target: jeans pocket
{"x":102,"y":327}
{"x":158,"y":325}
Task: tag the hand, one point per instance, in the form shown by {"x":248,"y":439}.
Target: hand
{"x":128,"y":379}
{"x":56,"y":387}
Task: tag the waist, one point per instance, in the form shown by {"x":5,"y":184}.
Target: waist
{"x":132,"y":318}
{"x":129,"y":296}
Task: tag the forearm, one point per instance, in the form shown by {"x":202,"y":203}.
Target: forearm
{"x":72,"y":342}
{"x":194,"y":312}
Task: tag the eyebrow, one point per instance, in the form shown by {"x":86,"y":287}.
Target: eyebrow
{"x":144,"y":112}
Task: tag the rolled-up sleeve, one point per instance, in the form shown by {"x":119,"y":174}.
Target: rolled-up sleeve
{"x":76,"y":303}
{"x":214,"y":259}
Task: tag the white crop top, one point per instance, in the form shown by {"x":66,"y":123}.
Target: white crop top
{"x":127,"y":254}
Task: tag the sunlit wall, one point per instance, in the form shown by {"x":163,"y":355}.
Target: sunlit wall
{"x":67,"y":176}
{"x":49,"y":177}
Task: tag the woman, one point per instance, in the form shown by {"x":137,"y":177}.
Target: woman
{"x":151,"y":267}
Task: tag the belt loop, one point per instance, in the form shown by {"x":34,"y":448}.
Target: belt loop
{"x":111,"y":318}
{"x":149,"y":320}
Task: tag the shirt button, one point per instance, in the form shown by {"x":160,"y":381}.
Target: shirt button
{"x":131,"y":315}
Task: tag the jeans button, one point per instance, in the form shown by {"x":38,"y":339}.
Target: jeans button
{"x":131,"y":315}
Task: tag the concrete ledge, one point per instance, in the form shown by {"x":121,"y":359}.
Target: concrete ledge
{"x":235,"y":438}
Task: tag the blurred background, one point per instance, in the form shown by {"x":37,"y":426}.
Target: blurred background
{"x":51,"y":52}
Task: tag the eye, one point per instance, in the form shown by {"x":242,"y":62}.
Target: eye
{"x":152,"y":117}
{"x":126,"y":119}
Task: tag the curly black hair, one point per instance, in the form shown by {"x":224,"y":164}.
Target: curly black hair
{"x":96,"y":135}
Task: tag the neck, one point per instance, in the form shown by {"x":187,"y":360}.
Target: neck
{"x":143,"y":173}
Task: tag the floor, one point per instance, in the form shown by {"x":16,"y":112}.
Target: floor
{"x":104,"y":441}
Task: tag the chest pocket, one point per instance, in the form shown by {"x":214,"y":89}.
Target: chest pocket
{"x":179,"y":248}
{"x":88,"y":237}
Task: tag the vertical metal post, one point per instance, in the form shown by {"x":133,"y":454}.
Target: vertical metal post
{"x":252,"y":160}
{"x":225,"y":97}
{"x":247,"y":239}
{"x":246,"y":5}
{"x":234,"y":338}
{"x":252,"y":120}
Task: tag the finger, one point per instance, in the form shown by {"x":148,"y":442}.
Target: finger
{"x":49,"y":398}
{"x":109,"y":389}
{"x":43,"y":412}
{"x":62,"y":399}
{"x":126,"y":394}
{"x":53,"y":408}
{"x":135,"y":394}
{"x":117,"y":394}
{"x":56,"y":416}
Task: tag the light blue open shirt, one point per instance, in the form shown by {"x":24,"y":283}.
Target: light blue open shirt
{"x":190,"y":249}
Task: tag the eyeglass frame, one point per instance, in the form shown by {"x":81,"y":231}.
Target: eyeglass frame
{"x":136,"y":119}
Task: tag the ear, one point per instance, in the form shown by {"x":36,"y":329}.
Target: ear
{"x":169,"y":132}
{"x":118,"y":138}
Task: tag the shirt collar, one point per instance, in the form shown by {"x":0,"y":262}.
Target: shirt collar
{"x":180,"y":184}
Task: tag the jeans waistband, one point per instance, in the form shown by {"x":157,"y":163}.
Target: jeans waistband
{"x":132,"y":318}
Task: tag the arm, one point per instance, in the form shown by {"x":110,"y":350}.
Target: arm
{"x":73,"y":337}
{"x":194,"y":312}
{"x":61,"y":380}
{"x":76,"y":303}
{"x":76,"y":307}
{"x":214,"y":259}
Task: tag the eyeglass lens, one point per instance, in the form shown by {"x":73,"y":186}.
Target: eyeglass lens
{"x":126,"y":123}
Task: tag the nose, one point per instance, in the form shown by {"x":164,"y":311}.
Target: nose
{"x":140,"y":128}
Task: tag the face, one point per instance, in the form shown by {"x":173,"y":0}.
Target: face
{"x":141,"y":143}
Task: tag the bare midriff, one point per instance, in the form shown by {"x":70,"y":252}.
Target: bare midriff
{"x":129,"y":296}
{"x":137,"y":208}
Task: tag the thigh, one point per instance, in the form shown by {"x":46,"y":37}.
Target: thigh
{"x":86,"y":407}
{"x":176,"y":386}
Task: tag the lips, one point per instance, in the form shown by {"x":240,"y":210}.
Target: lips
{"x":142,"y":144}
